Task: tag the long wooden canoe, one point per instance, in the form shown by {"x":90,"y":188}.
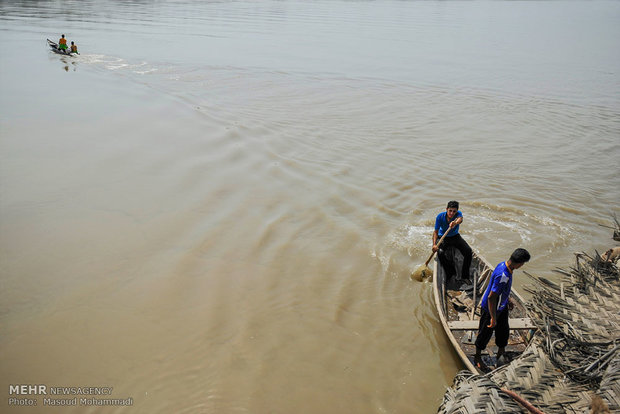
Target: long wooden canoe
{"x":459,"y":312}
{"x":56,"y":49}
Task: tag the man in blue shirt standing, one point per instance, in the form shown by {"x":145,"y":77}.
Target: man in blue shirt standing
{"x":449,"y":221}
{"x":495,"y":305}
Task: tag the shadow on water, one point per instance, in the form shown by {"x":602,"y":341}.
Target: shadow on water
{"x":66,"y":63}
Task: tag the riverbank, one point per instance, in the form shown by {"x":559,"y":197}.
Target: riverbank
{"x":573,"y":364}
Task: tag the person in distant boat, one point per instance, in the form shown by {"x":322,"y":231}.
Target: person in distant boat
{"x":495,"y":305}
{"x":449,"y":221}
{"x":62,"y":43}
{"x":74,"y":48}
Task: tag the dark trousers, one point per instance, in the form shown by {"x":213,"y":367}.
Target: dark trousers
{"x":461,"y":245}
{"x":502,"y":329}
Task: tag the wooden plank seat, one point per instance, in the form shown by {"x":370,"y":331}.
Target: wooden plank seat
{"x":472,"y":325}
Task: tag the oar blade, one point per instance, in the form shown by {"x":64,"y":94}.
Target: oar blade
{"x":422,"y":273}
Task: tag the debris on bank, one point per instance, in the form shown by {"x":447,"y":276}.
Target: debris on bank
{"x":573,"y":364}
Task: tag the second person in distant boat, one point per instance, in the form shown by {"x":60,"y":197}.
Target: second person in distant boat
{"x":74,"y":48}
{"x":449,"y":221}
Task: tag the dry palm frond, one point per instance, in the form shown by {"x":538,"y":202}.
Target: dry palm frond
{"x":472,"y":393}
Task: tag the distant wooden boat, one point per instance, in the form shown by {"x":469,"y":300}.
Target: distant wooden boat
{"x":459,"y":312}
{"x":56,"y":49}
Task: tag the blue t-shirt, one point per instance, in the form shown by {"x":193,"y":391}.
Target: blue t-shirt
{"x":501,"y":282}
{"x":442,"y":224}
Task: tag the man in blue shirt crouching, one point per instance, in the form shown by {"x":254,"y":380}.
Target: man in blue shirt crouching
{"x":448,"y":223}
